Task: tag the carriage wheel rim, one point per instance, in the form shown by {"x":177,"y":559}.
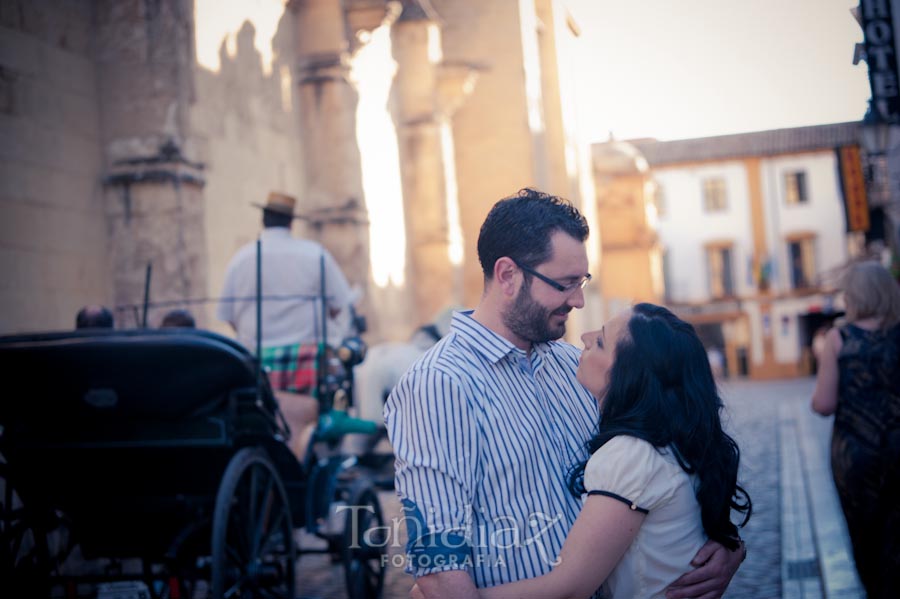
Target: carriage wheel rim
{"x":364,"y":567}
{"x":253,"y":550}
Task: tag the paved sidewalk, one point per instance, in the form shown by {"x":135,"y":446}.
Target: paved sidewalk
{"x":797,"y":540}
{"x":817,"y":559}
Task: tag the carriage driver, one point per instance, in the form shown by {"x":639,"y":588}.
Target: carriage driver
{"x":291,"y":311}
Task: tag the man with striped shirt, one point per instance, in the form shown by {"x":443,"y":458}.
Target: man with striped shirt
{"x":487,"y":423}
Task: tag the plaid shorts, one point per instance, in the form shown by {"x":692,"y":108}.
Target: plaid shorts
{"x":292,"y":367}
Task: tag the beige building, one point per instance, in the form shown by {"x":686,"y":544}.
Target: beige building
{"x":631,"y":265}
{"x":134,"y":137}
{"x":749,"y":233}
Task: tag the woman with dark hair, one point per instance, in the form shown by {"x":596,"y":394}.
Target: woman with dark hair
{"x":859,"y":382}
{"x":662,"y":477}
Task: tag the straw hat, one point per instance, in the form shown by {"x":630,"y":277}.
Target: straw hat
{"x":279,"y":202}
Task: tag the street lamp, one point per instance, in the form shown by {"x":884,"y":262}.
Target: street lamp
{"x":875,"y":138}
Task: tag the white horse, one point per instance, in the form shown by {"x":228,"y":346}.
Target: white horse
{"x":385,"y":363}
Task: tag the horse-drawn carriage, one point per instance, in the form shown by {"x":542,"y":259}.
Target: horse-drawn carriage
{"x":166,"y":448}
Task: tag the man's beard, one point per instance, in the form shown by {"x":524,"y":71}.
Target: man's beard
{"x":530,"y":321}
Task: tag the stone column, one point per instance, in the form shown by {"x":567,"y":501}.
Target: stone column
{"x":424,"y":95}
{"x":495,"y":150}
{"x":152,"y":192}
{"x":334,"y":203}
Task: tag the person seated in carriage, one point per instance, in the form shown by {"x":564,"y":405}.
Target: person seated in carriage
{"x":178,"y":319}
{"x":294,"y":273}
{"x":94,"y":317}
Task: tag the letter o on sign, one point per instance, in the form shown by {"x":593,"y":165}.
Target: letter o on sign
{"x":878,"y":32}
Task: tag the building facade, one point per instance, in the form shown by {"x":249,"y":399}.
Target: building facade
{"x":753,"y":233}
{"x":880,"y":135}
{"x":628,"y":241}
{"x":134,"y":137}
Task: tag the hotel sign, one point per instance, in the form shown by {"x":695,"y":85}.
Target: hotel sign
{"x":881,"y":56}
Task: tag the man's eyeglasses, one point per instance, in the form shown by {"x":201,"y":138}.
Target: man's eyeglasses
{"x":579,"y":284}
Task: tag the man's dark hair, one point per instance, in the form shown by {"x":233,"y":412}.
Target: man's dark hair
{"x":520,"y":227}
{"x":178,"y":319}
{"x":276,"y":219}
{"x":94,"y":317}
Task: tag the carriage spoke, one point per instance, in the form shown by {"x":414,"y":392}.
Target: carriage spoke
{"x":261,"y":519}
{"x":248,"y":520}
{"x":242,"y":587}
{"x":240,"y":531}
{"x":264,"y":593}
{"x":236,"y":588}
{"x":19,"y":532}
{"x":373,"y":575}
{"x":234,"y":556}
{"x":13,"y":516}
{"x":254,"y":482}
{"x":272,"y":534}
{"x":367,"y":566}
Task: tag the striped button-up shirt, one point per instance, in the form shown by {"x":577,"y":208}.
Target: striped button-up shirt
{"x":484,"y":435}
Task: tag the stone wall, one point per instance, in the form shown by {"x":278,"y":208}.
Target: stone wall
{"x":153,"y":187}
{"x":120,"y":148}
{"x":53,"y":234}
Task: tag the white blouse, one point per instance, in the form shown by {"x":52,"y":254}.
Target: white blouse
{"x":637,"y":473}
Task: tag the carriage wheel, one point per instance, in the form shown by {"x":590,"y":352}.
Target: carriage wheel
{"x":253,"y":551}
{"x":24,"y":551}
{"x":364,"y":545}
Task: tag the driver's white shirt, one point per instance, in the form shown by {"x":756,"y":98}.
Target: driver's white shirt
{"x":291,"y":284}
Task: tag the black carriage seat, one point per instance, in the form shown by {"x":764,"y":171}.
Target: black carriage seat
{"x":165,"y":374}
{"x":129,"y":432}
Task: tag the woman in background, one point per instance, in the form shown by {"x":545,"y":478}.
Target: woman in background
{"x":859,"y":382}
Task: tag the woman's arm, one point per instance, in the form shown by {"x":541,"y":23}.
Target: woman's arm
{"x":825,"y":397}
{"x":604,"y":530}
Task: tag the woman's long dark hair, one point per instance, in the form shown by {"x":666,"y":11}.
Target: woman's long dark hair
{"x":661,"y":389}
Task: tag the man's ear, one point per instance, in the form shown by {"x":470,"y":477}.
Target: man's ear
{"x":507,"y":276}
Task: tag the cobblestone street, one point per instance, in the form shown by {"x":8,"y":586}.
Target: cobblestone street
{"x":752,"y":418}
{"x":756,"y":413}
